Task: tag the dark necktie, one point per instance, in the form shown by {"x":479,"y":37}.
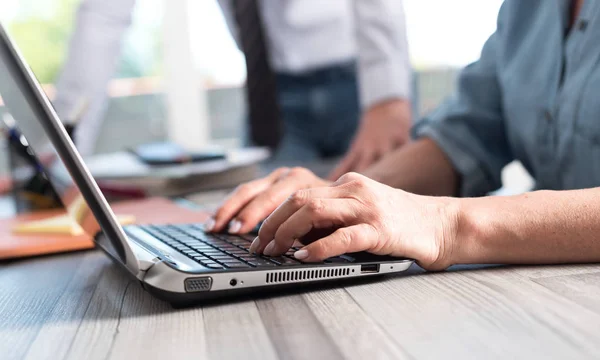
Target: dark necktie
{"x":263,"y":107}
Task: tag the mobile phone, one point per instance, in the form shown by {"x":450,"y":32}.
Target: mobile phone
{"x":168,"y":153}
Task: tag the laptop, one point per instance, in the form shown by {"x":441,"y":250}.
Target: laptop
{"x":178,"y":263}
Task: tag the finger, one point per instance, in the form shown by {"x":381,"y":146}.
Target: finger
{"x":291,"y":205}
{"x":266,"y":202}
{"x":316,"y":214}
{"x":239,"y":198}
{"x":344,"y":240}
{"x":344,"y":166}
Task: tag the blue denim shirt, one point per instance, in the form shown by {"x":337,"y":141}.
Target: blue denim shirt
{"x":533,"y":96}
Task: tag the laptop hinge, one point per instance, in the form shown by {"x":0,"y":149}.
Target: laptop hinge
{"x":143,"y":257}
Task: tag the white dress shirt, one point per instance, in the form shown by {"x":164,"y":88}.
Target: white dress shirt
{"x":304,"y":35}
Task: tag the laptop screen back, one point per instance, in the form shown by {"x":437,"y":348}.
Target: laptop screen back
{"x":37,"y":121}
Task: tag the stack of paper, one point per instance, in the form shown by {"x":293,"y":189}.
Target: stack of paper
{"x":122,"y":171}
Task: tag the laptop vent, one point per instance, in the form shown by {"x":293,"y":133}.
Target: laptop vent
{"x":198,"y":284}
{"x":304,"y":275}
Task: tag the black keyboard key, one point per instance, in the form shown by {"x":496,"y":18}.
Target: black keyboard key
{"x":238,"y":252}
{"x":284,"y":261}
{"x":229,"y":261}
{"x":239,"y":265}
{"x":222,"y":257}
{"x":213,"y":252}
{"x":194,"y":243}
{"x":203,"y":248}
{"x":213,"y":265}
{"x":265,"y":264}
{"x":239,"y":242}
{"x":261,"y":262}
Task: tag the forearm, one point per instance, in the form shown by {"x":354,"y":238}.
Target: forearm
{"x":420,"y":167}
{"x":542,"y":227}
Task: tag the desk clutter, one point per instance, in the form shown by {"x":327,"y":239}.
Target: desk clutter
{"x":143,"y":176}
{"x":51,"y":232}
{"x":147,"y":170}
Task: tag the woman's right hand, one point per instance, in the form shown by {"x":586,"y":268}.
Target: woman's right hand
{"x":252,"y":202}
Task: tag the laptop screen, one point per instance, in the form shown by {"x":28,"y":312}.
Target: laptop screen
{"x":37,"y":121}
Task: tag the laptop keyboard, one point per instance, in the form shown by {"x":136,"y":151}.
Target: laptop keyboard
{"x":222,"y":251}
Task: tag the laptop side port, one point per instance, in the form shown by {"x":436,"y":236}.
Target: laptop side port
{"x":369,"y":268}
{"x":197,"y":284}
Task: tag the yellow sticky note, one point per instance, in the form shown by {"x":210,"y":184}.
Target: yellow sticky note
{"x":60,"y":225}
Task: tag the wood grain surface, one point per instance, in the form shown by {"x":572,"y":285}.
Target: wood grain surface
{"x":82,"y":306}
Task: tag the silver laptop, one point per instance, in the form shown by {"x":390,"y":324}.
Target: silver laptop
{"x":178,"y":263}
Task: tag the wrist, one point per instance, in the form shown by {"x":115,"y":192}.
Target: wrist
{"x":448,"y":236}
{"x":474,"y":228}
{"x":397,"y":107}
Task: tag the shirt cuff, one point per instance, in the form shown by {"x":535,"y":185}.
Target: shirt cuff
{"x":384,"y":81}
{"x":473,"y":179}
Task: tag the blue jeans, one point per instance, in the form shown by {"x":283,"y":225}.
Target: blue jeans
{"x":320,"y":112}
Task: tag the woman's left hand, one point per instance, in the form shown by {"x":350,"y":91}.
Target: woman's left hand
{"x":359,"y":214}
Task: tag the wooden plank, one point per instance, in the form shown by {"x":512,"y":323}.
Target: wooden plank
{"x":479,"y":314}
{"x":294,"y":330}
{"x":29,"y":291}
{"x":354,"y":332}
{"x":56,"y":334}
{"x":538,"y":272}
{"x":95,"y":336}
{"x":561,"y":318}
{"x":151,"y":329}
{"x":235,"y":331}
{"x":583,"y":288}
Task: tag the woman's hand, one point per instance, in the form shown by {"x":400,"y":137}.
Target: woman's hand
{"x":252,"y":202}
{"x":360,"y":214}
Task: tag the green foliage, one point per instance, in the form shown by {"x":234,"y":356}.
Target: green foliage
{"x":44,"y":40}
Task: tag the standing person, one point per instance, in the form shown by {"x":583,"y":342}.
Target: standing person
{"x":341,"y":72}
{"x":323,"y":77}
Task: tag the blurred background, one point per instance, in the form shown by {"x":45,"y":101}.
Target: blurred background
{"x":440,"y":41}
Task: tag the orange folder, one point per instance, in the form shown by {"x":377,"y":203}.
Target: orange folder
{"x":152,"y":210}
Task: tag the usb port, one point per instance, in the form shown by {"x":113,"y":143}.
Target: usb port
{"x":369,"y":268}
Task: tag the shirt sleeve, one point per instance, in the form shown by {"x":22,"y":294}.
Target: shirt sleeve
{"x":469,"y":127}
{"x":92,"y":60}
{"x":383,"y":63}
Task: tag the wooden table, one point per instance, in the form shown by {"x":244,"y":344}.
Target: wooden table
{"x":82,"y":306}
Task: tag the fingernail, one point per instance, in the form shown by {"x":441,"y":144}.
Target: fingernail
{"x":235,"y":226}
{"x":254,"y":245}
{"x":301,"y":254}
{"x":209,"y":225}
{"x":269,"y":249}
